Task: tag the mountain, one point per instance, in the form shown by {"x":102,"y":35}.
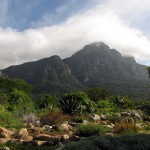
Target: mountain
{"x":96,"y":65}
{"x":46,"y":75}
{"x":2,"y":75}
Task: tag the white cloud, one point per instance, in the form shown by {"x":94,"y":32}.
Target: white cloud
{"x":97,"y":24}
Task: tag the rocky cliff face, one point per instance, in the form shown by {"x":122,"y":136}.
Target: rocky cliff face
{"x":97,"y":63}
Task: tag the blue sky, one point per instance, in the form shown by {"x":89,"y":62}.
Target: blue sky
{"x":34,"y":29}
{"x":24,"y":14}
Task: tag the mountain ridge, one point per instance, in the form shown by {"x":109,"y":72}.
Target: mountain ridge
{"x":96,"y":65}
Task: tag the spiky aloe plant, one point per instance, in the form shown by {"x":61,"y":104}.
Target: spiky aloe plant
{"x":75,"y":103}
{"x":70,"y":105}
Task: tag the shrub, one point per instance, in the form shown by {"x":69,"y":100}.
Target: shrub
{"x":134,"y":142}
{"x":77,"y":103}
{"x":91,"y":129}
{"x":78,"y":118}
{"x":46,"y":101}
{"x":124,"y":128}
{"x":54,"y":118}
{"x":97,"y":93}
{"x":9,"y":120}
{"x":30,"y":118}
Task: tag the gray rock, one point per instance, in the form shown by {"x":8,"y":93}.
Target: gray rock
{"x":94,"y":118}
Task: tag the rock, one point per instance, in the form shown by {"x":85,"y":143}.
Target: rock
{"x":131,"y":120}
{"x":47,"y":128}
{"x":57,"y":139}
{"x":4,"y":148}
{"x":31,"y":126}
{"x":139,"y":126}
{"x":37,"y":123}
{"x":15,"y":141}
{"x":124,"y":114}
{"x":104,"y":122}
{"x":60,"y":145}
{"x":65,"y":127}
{"x":38,"y":143}
{"x":109,"y":126}
{"x":38,"y":130}
{"x":112,"y":125}
{"x":26,"y":138}
{"x":65,"y":137}
{"x":74,"y":138}
{"x":43,"y":137}
{"x":103,"y":117}
{"x":4,"y":140}
{"x":56,"y":127}
{"x":94,"y":118}
{"x":73,"y":124}
{"x":85,"y":122}
{"x":23,"y":132}
{"x":110,"y":134}
{"x":4,"y":133}
{"x":70,"y":132}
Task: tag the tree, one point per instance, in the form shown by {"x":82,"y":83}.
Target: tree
{"x":46,"y":101}
{"x":97,"y":93}
{"x":122,"y":102}
{"x":20,"y":102}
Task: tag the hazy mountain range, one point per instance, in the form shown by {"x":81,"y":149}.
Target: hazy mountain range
{"x":96,"y":65}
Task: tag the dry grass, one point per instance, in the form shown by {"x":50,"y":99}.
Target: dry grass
{"x":124,"y":128}
{"x":54,"y":118}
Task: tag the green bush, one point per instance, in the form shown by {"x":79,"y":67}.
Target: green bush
{"x":97,"y":93}
{"x":77,"y":103}
{"x":135,"y":142}
{"x":9,"y":120}
{"x":105,"y":106}
{"x":91,"y":129}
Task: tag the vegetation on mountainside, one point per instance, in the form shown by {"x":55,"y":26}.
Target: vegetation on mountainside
{"x":19,"y":106}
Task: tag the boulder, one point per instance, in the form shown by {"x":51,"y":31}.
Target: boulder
{"x":5,"y":133}
{"x":109,"y":126}
{"x":85,"y":122}
{"x":38,"y":130}
{"x":103,"y":117}
{"x":47,"y":128}
{"x":26,"y":138}
{"x":4,"y":140}
{"x":23,"y":132}
{"x":74,"y":138}
{"x":30,"y":126}
{"x":43,"y":137}
{"x":65,"y":127}
{"x":94,"y":117}
{"x":65,"y":137}
{"x":104,"y":122}
{"x":73,"y":124}
{"x":4,"y":148}
{"x":110,"y":134}
{"x":56,"y":127}
{"x":139,"y":126}
{"x":38,"y":143}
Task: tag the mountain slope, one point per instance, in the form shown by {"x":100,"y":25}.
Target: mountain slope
{"x":46,"y":75}
{"x":96,"y":65}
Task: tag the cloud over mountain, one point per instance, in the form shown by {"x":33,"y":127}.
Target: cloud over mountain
{"x":103,"y":23}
